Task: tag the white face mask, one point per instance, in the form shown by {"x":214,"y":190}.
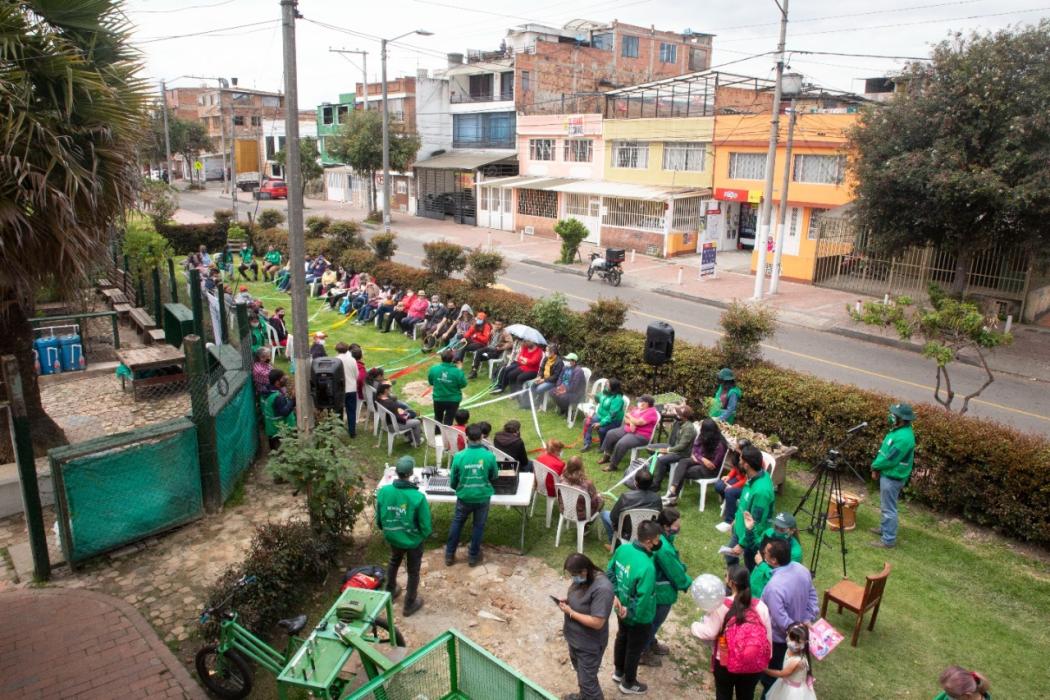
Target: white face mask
{"x":795,"y":646}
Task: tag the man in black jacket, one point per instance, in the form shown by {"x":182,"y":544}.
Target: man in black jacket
{"x":641,"y":496}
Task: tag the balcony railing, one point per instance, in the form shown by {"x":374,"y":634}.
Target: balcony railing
{"x":466,"y":98}
{"x":496,"y":142}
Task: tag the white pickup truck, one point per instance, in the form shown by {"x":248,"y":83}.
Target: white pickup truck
{"x":246,"y":182}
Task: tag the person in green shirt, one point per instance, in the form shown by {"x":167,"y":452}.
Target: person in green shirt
{"x":403,"y":514}
{"x":448,"y":381}
{"x":633,"y":576}
{"x":608,"y":413}
{"x":957,"y":683}
{"x":248,"y":262}
{"x":271,"y":263}
{"x":891,"y":468}
{"x":727,"y":397}
{"x":670,"y":579}
{"x":277,"y":407}
{"x":785,"y":528}
{"x":257,"y":332}
{"x":474,"y":470}
{"x":753,"y":512}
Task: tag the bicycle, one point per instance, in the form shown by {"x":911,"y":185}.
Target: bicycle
{"x":225,"y":668}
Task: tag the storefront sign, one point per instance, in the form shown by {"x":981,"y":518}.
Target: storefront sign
{"x":707,"y":259}
{"x":574,"y":125}
{"x":754,"y":196}
{"x":726,"y":194}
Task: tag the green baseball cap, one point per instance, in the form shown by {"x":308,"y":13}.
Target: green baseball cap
{"x":572,"y":356}
{"x":903,"y":411}
{"x":404,"y":466}
{"x":785,"y":521}
{"x":726,"y":375}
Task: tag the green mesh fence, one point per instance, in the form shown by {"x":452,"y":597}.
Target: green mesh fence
{"x":121,"y":488}
{"x":450,"y":666}
{"x":235,"y":428}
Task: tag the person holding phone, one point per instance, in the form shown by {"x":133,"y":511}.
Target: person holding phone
{"x":587,"y":607}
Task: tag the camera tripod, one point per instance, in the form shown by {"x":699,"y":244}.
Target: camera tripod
{"x":825,"y":490}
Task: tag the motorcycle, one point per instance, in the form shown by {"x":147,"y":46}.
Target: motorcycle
{"x":607,"y":267}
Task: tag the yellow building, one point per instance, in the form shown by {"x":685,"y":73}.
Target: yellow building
{"x":818,"y":181}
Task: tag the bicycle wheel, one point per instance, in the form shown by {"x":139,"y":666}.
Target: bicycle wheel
{"x":228,"y":675}
{"x":383,"y":632}
{"x":615,"y":276}
{"x":590,"y":273}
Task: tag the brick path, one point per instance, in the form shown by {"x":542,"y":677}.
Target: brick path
{"x":62,"y":643}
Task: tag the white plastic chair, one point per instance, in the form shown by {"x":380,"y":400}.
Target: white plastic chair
{"x":370,"y":404}
{"x":495,"y":361}
{"x":586,"y":381}
{"x":388,"y":424}
{"x":451,"y":437}
{"x":542,"y":471}
{"x":769,"y":462}
{"x":590,"y":401}
{"x":275,"y":343}
{"x":432,"y":436}
{"x":501,"y":456}
{"x":569,"y":496}
{"x":704,"y":483}
{"x":632,"y":517}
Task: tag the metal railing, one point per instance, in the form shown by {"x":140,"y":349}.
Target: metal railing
{"x":466,"y":98}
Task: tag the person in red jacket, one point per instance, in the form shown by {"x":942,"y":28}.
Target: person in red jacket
{"x":551,"y":458}
{"x":477,"y":337}
{"x":524,"y":368}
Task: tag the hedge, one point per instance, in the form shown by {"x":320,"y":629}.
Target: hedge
{"x":187,"y":238}
{"x":985,"y":472}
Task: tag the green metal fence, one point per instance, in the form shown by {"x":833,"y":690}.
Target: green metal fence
{"x":232,"y":403}
{"x":118,"y":489}
{"x":451,"y":666}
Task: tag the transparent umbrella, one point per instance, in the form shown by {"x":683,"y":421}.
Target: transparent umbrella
{"x":523,"y":332}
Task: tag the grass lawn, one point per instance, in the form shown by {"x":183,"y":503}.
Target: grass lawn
{"x":956,"y":595}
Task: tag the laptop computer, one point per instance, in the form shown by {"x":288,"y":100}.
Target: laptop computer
{"x":507,"y":481}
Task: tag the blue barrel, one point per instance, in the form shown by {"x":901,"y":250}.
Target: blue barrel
{"x":71,"y":353}
{"x":47,"y":354}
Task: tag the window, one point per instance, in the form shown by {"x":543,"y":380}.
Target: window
{"x":541,"y":149}
{"x":271,"y":147}
{"x":342,"y":113}
{"x":579,"y":150}
{"x":541,"y":203}
{"x":582,"y":206}
{"x":815,"y":217}
{"x":603,"y":41}
{"x":629,"y":47}
{"x":687,"y":214}
{"x":684,"y":156}
{"x":481,"y":85}
{"x":630,"y":154}
{"x":526,"y":82}
{"x":634,"y":213}
{"x":402,"y":187}
{"x":668,"y":53}
{"x":506,"y":85}
{"x":271,"y":102}
{"x":819,"y":170}
{"x":238,"y":120}
{"x":485,"y":130}
{"x":747,"y":166}
{"x":327,"y":115}
{"x":241,"y":97}
{"x":256,"y":121}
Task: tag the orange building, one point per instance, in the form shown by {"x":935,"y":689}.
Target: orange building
{"x":819,"y":181}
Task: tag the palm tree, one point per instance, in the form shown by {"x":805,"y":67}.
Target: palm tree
{"x":71,"y":112}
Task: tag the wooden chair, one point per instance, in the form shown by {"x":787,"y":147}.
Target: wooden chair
{"x":858,"y":599}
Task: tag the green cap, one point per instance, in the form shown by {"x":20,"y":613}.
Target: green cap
{"x":785,"y":521}
{"x":404,"y":466}
{"x":572,"y":356}
{"x":726,"y":375}
{"x":903,"y":411}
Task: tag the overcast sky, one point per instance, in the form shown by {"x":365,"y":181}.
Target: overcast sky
{"x":179,"y":37}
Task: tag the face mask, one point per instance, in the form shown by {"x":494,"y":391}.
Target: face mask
{"x":671,"y":535}
{"x":892,"y":419}
{"x":657,"y":546}
{"x":796,"y":646}
{"x":579,"y":579}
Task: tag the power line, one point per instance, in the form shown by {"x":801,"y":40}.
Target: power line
{"x":852,"y":14}
{"x":860,"y":55}
{"x":206,"y":32}
{"x":180,"y":9}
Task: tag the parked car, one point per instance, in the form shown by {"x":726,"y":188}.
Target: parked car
{"x":272,"y":189}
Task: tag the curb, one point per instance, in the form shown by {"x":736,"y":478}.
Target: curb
{"x":692,"y":297}
{"x":564,"y":269}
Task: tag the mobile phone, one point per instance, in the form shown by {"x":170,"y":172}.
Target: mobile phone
{"x":556,"y":600}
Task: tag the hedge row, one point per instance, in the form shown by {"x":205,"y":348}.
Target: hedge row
{"x":188,"y":238}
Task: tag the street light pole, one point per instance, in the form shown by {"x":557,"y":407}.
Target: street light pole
{"x":778,"y":249}
{"x":167,"y":132}
{"x":364,"y":70}
{"x":771,"y":156}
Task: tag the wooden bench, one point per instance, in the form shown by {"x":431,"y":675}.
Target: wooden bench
{"x":123,"y":310}
{"x":104,"y":283}
{"x":114,"y":296}
{"x":141,"y":319}
{"x":155,"y":335}
{"x":155,"y":357}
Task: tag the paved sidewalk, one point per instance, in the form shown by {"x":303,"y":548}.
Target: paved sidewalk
{"x":63,"y":643}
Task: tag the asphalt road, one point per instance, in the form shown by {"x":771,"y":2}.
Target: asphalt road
{"x":1021,"y":403}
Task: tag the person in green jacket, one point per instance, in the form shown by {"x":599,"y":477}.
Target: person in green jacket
{"x":257,"y":332}
{"x":757,"y":502}
{"x":248,"y":262}
{"x":726,"y":400}
{"x":608,"y":414}
{"x":891,"y":468}
{"x":785,"y":528}
{"x":271,"y":263}
{"x":448,"y":381}
{"x":957,"y":683}
{"x":633,"y":576}
{"x":474,"y":470}
{"x":670,"y":579}
{"x":277,"y":407}
{"x":403,"y":514}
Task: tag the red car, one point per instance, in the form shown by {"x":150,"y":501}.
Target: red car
{"x":272,"y":189}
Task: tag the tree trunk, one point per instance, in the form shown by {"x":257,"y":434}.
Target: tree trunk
{"x":962,"y":270}
{"x":16,"y":338}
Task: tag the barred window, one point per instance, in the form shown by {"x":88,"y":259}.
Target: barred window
{"x":579,"y":150}
{"x":684,"y":156}
{"x":815,"y":217}
{"x":541,"y":149}
{"x":747,"y":166}
{"x":630,"y":154}
{"x":687,"y":214}
{"x":542,"y":203}
{"x":634,"y":213}
{"x":819,"y":170}
{"x":582,"y":205}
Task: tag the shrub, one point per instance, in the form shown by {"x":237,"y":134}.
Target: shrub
{"x":357,"y":260}
{"x":270,"y":218}
{"x":344,"y":235}
{"x":236,"y":233}
{"x":443,"y":258}
{"x":605,"y":316}
{"x":187,"y":238}
{"x":316,"y":246}
{"x":374,"y":217}
{"x":316,"y":226}
{"x":144,"y":247}
{"x":283,"y":557}
{"x":276,"y":237}
{"x":223,"y":217}
{"x":400,"y":275}
{"x":483,"y":267}
{"x":572,"y":232}
{"x":160,"y":201}
{"x":551,"y":317}
{"x":745,"y":326}
{"x":384,"y":245}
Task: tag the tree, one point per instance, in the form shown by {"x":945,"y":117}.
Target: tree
{"x":194,"y":141}
{"x":188,"y":137}
{"x":948,"y":327}
{"x":310,"y":167}
{"x":484,"y":267}
{"x":745,"y":327}
{"x":443,"y":258}
{"x":359,"y":144}
{"x":73,"y":119}
{"x":958,"y":159}
{"x":572,"y":232}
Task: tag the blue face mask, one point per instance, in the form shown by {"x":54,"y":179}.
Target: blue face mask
{"x":579,"y":579}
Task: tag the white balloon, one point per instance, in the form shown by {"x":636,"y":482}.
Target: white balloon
{"x":708,"y":591}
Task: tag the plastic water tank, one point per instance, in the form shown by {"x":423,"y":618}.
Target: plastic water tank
{"x":71,"y":353}
{"x":48,"y":354}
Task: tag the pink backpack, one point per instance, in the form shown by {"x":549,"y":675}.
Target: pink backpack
{"x":746,"y":648}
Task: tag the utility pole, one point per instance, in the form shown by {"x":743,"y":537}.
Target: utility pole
{"x":222,"y":144}
{"x":766,"y":210}
{"x":364,"y":70}
{"x":778,"y":250}
{"x":386,"y":143}
{"x":296,"y":246}
{"x":233,"y":165}
{"x":167,"y":133}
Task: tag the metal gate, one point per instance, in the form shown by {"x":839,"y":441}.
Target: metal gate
{"x":441,"y":193}
{"x":847,"y":259}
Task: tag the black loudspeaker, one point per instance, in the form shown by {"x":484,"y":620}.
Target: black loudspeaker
{"x":327,"y":383}
{"x":659,"y":343}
